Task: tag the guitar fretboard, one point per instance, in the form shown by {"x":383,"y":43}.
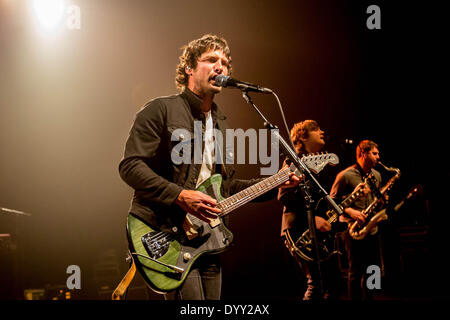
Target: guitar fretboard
{"x":351,"y":198}
{"x":346,"y":203}
{"x":235,"y":201}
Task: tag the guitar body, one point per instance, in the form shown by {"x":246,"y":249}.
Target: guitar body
{"x":175,"y":248}
{"x":303,"y":247}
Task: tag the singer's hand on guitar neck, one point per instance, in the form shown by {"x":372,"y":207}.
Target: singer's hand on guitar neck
{"x":198,"y":204}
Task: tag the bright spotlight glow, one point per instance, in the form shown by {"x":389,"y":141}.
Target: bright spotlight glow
{"x":49,"y":12}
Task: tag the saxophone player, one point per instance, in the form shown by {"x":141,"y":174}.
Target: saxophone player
{"x":360,"y":253}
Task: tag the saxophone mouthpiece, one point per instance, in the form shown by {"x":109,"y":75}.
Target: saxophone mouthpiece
{"x":392,"y":169}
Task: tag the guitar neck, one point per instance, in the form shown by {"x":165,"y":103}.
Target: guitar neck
{"x":346,"y":203}
{"x":235,"y":201}
{"x":350,"y":199}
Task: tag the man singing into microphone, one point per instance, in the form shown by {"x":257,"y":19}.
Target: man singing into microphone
{"x":164,"y":190}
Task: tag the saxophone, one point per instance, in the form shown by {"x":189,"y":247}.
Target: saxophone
{"x":359,"y":231}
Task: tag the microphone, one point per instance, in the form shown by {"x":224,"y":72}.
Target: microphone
{"x":226,"y":81}
{"x":348,"y":141}
{"x":342,"y":141}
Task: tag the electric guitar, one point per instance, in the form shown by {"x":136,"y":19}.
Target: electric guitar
{"x":164,"y":259}
{"x":302,"y":245}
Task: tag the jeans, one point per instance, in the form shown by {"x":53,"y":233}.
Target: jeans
{"x":204,"y":281}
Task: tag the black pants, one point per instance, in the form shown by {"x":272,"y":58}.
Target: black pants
{"x":329,"y":274}
{"x":361,"y":254}
{"x":204,"y":281}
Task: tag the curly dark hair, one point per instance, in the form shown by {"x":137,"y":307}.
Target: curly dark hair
{"x":301,"y":130}
{"x":193,"y":50}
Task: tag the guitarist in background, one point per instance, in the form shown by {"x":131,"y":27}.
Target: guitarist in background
{"x":365,"y":252}
{"x":307,"y":138}
{"x":163,"y":190}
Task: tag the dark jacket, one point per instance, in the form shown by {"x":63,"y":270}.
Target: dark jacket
{"x":147,"y":165}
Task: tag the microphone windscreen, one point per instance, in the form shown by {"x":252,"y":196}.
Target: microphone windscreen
{"x":221,"y":80}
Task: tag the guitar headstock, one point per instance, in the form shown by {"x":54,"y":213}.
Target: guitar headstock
{"x":316,"y":162}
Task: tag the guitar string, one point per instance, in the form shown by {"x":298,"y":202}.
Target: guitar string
{"x":352,"y":197}
{"x":262,"y":187}
{"x":228,"y":208}
{"x":244,"y":192}
{"x":256,"y":194}
{"x":244,"y":200}
{"x":156,"y":250}
{"x":159,"y":236}
{"x":248,"y":197}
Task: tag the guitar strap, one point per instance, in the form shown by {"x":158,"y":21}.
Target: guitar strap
{"x":120,"y":292}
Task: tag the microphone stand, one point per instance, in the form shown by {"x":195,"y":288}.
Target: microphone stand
{"x":292,"y":155}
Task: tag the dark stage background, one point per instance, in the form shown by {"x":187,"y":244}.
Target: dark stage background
{"x":68,"y":99}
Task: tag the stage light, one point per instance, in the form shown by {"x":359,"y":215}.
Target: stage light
{"x":49,"y":12}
